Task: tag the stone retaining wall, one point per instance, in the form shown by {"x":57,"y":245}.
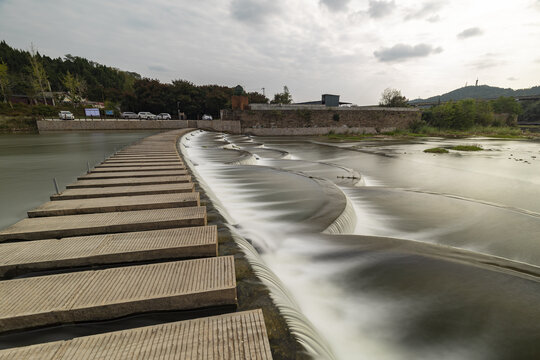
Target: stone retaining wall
{"x":82,"y":125}
{"x":311,"y":121}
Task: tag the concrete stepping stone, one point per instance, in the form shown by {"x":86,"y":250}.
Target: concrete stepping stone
{"x":111,"y":293}
{"x":102,"y":223}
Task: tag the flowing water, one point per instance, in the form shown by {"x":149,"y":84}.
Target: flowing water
{"x":377,"y":250}
{"x":29,"y":162}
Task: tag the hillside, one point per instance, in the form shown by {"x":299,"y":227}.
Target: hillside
{"x":479,"y":92}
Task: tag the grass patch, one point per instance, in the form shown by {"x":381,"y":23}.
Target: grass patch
{"x":10,"y":124}
{"x":466,"y":148}
{"x":436,"y":150}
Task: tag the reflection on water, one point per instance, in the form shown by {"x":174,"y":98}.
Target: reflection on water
{"x":390,"y":252}
{"x":29,"y":162}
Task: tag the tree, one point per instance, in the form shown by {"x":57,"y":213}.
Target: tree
{"x":393,"y":98}
{"x":75,"y":87}
{"x":282,"y":98}
{"x":39,"y":76}
{"x":257,"y":98}
{"x":506,"y":105}
{"x":4,"y":82}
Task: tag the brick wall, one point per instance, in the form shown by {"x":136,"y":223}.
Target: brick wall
{"x":368,"y":120}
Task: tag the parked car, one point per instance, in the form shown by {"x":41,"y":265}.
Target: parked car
{"x":163,"y":116}
{"x":207,"y":117}
{"x":128,"y":115}
{"x":146,"y":115}
{"x":66,"y":115}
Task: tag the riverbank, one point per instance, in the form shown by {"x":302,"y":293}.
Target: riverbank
{"x":493,"y":132}
{"x":18,"y":124}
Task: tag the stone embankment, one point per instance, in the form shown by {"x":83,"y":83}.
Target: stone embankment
{"x":136,"y":221}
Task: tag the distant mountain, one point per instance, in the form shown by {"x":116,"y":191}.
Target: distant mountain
{"x":479,"y":92}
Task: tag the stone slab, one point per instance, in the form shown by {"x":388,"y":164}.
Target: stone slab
{"x":112,"y":293}
{"x":114,"y":160}
{"x":101,"y":183}
{"x":115,"y":204}
{"x":144,"y":157}
{"x":116,"y":191}
{"x":133,"y":174}
{"x":236,"y":336}
{"x":148,"y":150}
{"x":103,"y":223}
{"x":21,"y":257}
{"x":149,"y":164}
{"x":99,"y":169}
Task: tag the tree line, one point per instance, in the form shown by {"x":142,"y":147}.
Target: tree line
{"x":462,"y":114}
{"x":32,"y":74}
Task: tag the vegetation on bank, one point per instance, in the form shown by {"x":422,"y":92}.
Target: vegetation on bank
{"x":436,"y":150}
{"x":10,"y":124}
{"x":503,"y":132}
{"x":466,"y":148}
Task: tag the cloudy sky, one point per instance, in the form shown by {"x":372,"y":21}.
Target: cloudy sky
{"x":355,"y":48}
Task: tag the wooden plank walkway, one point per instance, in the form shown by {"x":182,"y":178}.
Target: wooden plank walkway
{"x":103,"y":223}
{"x":112,"y":293}
{"x":100,"y":183}
{"x":181,"y":243}
{"x":133,"y":174}
{"x":88,"y":193}
{"x":237,"y":336}
{"x":115,"y":204}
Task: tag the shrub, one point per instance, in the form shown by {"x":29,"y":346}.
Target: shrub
{"x":436,"y":150}
{"x":466,"y":148}
{"x":416,"y":126}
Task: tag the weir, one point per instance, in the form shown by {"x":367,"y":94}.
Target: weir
{"x":123,"y":212}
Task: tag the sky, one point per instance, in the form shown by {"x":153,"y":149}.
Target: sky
{"x":354,"y":48}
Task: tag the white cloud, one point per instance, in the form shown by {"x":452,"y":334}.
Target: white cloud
{"x":311,"y":46}
{"x":470,"y":32}
{"x":378,"y":9}
{"x":335,"y":5}
{"x":403,"y":52}
{"x":426,"y":10}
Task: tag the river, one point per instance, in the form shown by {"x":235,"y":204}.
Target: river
{"x":29,"y":162}
{"x":377,"y":250}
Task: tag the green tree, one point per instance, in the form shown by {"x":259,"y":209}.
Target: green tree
{"x":39,"y":76}
{"x":4,"y":82}
{"x":282,"y":98}
{"x":393,"y":98}
{"x":506,"y":105}
{"x":75,"y":87}
{"x":257,"y":98}
{"x":484,"y":113}
{"x":531,"y":111}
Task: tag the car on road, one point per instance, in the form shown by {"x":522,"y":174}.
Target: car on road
{"x":128,"y":115}
{"x":163,"y":116}
{"x":207,"y":117}
{"x":66,"y":115}
{"x":146,"y":115}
